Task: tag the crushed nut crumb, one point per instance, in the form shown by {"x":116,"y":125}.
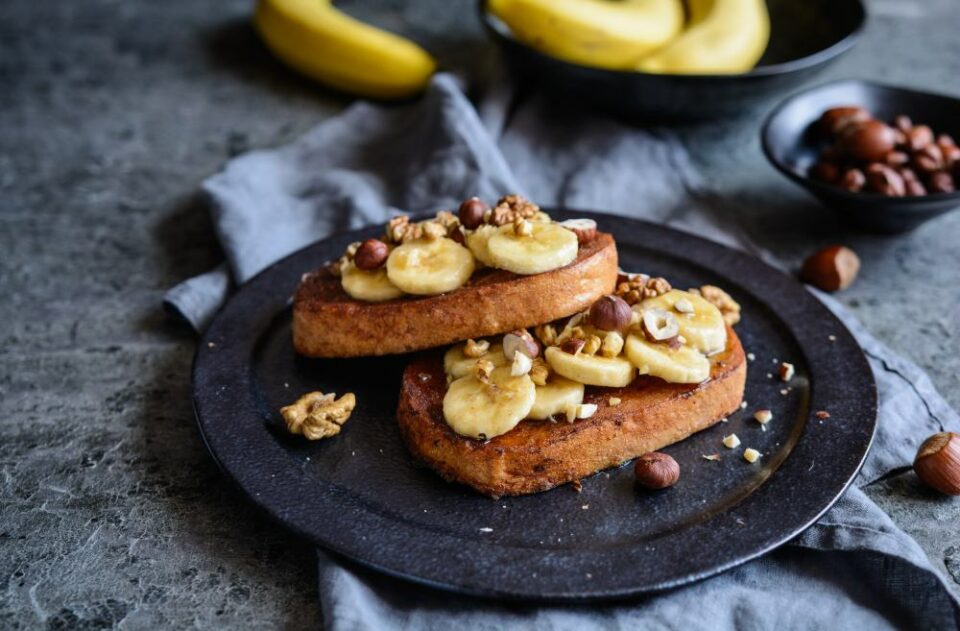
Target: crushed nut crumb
{"x":732,"y":441}
{"x":482,"y":370}
{"x":751,"y":356}
{"x":546,"y":333}
{"x":539,"y":372}
{"x":612,"y":344}
{"x":586,"y":410}
{"x":711,"y":457}
{"x":751,"y":455}
{"x":592,"y":345}
{"x":823,"y":415}
{"x":763,"y":416}
{"x":522,"y":227}
{"x":786,"y":371}
{"x":614,"y":401}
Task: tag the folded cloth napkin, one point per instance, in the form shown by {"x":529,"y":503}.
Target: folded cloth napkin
{"x":854,"y":569}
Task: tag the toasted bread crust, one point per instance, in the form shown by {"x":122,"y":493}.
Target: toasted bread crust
{"x":539,"y":455}
{"x":329,"y":323}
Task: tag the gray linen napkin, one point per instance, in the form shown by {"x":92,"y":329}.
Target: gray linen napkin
{"x":853,"y":569}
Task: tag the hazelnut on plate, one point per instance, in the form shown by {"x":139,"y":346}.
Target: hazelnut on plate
{"x":656,"y":471}
{"x":938,"y":463}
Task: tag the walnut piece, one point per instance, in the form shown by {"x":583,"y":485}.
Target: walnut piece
{"x":540,"y":372}
{"x":316,"y":415}
{"x":635,"y":287}
{"x":510,"y":209}
{"x":720,"y":299}
{"x":473,"y":348}
{"x":592,"y":345}
{"x":546,"y":333}
{"x":482,"y":370}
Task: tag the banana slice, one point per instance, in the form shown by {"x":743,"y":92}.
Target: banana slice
{"x":457,"y":365}
{"x":592,"y":370}
{"x":477,"y":242}
{"x":480,"y":410}
{"x":557,"y":397}
{"x":548,"y":247}
{"x":368,"y":285}
{"x":701,"y":323}
{"x":682,"y":365}
{"x":424,"y":267}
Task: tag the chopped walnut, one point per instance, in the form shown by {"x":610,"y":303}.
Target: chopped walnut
{"x":546,"y":333}
{"x":635,"y":287}
{"x":720,"y":299}
{"x":593,"y":344}
{"x":509,"y":209}
{"x":482,"y":370}
{"x":433,"y":230}
{"x":473,"y":348}
{"x":786,"y":371}
{"x":398,"y":228}
{"x":539,"y":372}
{"x":522,"y":227}
{"x":317,"y":415}
{"x":447,"y":219}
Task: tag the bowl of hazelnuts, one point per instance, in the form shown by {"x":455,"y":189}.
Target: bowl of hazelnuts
{"x":885,"y":157}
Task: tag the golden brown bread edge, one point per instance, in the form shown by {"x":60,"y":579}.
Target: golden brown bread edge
{"x":329,"y":323}
{"x":539,"y":455}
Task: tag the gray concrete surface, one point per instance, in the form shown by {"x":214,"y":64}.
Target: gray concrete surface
{"x":111,"y":113}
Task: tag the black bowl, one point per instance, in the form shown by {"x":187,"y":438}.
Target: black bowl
{"x":792,"y":144}
{"x":805,"y":35}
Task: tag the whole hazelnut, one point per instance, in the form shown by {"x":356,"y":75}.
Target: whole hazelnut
{"x":835,"y":119}
{"x":915,"y":188}
{"x":942,"y":182}
{"x":520,"y":341}
{"x":471,"y":212}
{"x":938,"y":462}
{"x":885,"y":180}
{"x":371,"y":254}
{"x":853,"y":180}
{"x":832,"y":268}
{"x":919,"y":137}
{"x":656,"y":471}
{"x":928,"y":159}
{"x":825,"y":172}
{"x":903,"y":123}
{"x":585,"y":229}
{"x":457,"y":235}
{"x":896,"y":158}
{"x":611,"y":313}
{"x":869,"y":141}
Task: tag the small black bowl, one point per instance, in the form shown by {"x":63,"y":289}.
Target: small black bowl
{"x":805,"y":35}
{"x":792,"y":144}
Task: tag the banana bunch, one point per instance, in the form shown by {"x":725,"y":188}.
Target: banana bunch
{"x":723,"y":37}
{"x":322,"y":42}
{"x":719,"y":37}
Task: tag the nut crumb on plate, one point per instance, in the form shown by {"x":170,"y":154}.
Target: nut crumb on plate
{"x":787,"y":371}
{"x":751,"y":455}
{"x":731,"y":441}
{"x":823,"y":414}
{"x":763,"y":416}
{"x":711,"y":457}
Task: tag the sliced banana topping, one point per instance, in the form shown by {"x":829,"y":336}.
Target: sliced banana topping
{"x":558,"y":396}
{"x":682,"y":364}
{"x":458,"y":364}
{"x":592,"y":370}
{"x":485,"y":410}
{"x":427,"y":267}
{"x":547,"y":247}
{"x":368,"y":285}
{"x":699,"y":321}
{"x":477,"y":241}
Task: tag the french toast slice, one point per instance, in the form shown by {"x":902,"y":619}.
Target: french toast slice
{"x":539,"y":455}
{"x":329,"y":323}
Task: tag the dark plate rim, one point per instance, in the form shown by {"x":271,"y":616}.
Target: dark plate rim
{"x":492,"y":26}
{"x":344,"y":542}
{"x":907,"y":202}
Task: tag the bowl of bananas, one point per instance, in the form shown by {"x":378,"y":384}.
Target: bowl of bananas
{"x":671,"y":60}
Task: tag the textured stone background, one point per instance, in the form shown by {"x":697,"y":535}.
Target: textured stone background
{"x":111,"y":113}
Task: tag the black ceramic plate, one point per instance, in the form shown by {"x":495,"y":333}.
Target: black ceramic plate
{"x":360,"y":495}
{"x":791,"y":143}
{"x":805,"y":36}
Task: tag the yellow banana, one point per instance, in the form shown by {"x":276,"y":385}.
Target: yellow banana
{"x":725,"y":37}
{"x":326,"y":44}
{"x":592,"y":32}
